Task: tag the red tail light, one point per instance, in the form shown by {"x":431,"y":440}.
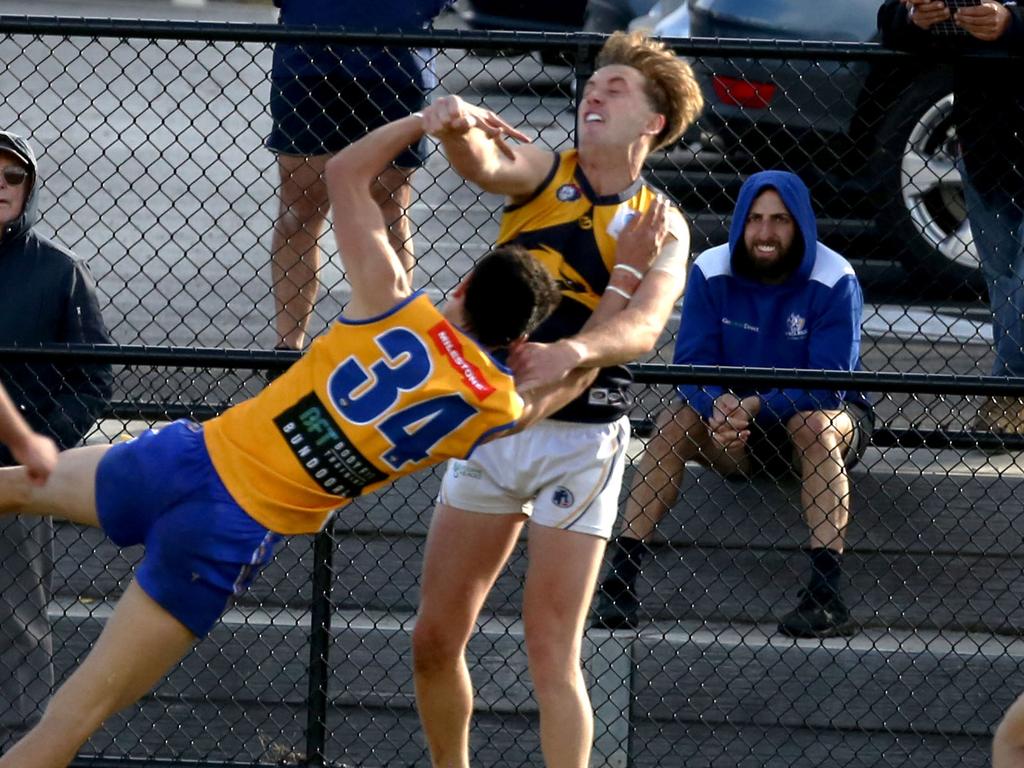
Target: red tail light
{"x":743,"y":93}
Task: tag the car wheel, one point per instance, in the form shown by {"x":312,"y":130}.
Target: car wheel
{"x":923,"y":212}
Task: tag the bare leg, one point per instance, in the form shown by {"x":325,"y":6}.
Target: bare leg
{"x":69,"y":493}
{"x":465,"y":553}
{"x":140,"y":643}
{"x":820,"y":441}
{"x":680,"y":435}
{"x":295,"y":252}
{"x":559,"y":584}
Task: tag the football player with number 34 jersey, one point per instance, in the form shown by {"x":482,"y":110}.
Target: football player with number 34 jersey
{"x":396,"y":385}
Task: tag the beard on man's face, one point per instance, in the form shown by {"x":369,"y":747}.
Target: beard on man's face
{"x":784,"y":264}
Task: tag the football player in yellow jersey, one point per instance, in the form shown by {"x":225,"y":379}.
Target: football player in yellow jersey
{"x":398,"y":385}
{"x":574,"y":211}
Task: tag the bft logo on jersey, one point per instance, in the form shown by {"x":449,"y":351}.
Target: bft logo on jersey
{"x":796,"y":326}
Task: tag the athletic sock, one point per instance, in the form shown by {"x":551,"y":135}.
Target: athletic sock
{"x":826,"y":570}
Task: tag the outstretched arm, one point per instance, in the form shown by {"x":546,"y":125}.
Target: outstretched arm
{"x":472,"y":140}
{"x":372,"y":268}
{"x":37,"y":453}
{"x":541,"y":402}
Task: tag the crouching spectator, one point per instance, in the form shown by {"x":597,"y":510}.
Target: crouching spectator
{"x":772,"y":297}
{"x":47,"y":296}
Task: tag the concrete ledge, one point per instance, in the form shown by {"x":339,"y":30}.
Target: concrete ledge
{"x":926,"y":549}
{"x":679,"y":677}
{"x":697,"y":745}
{"x":889,"y":682}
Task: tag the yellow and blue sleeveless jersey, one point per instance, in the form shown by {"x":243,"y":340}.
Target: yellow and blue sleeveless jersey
{"x":370,"y":401}
{"x":573,"y":232}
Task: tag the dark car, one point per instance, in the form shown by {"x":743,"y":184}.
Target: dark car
{"x":873,"y":140}
{"x":524,"y":15}
{"x":548,"y":16}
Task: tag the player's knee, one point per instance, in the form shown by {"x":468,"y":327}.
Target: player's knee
{"x":814,"y":429}
{"x":553,"y":670}
{"x":552,"y":654}
{"x":435,"y":647}
{"x":302,"y":215}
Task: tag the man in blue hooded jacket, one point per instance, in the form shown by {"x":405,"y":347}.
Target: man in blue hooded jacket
{"x":773,"y":297}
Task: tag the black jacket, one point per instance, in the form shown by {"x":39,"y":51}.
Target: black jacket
{"x":989,"y":94}
{"x":48,"y":296}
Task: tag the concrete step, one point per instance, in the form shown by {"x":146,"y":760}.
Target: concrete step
{"x":930,"y":545}
{"x":672,"y":694}
{"x":753,"y":746}
{"x":897,"y":507}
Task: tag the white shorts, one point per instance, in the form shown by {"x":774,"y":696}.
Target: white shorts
{"x":560,"y":474}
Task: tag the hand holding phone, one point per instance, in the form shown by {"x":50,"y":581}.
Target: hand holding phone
{"x":948,"y":25}
{"x":986,"y":21}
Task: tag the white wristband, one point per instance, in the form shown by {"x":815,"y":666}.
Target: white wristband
{"x":629,"y":270}
{"x":622,"y":293}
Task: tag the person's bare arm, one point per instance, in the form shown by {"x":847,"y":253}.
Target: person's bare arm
{"x":38,"y":454}
{"x":1008,"y":743}
{"x":372,"y":268}
{"x":629,"y":319}
{"x":541,"y":402}
{"x":472,"y":139}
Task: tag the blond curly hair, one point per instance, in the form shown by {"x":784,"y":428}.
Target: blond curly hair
{"x":671,"y":87}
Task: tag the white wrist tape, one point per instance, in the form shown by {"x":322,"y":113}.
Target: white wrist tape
{"x":629,"y":270}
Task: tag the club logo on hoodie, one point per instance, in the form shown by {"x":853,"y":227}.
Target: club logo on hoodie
{"x":796,"y":326}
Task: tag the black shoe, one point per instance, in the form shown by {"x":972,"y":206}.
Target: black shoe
{"x":617,"y":606}
{"x":818,"y":615}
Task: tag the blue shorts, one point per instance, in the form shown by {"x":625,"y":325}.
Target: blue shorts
{"x":161,"y":490}
{"x":323,"y":114}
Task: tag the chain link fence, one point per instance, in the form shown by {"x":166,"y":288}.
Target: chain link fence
{"x":153,"y":170}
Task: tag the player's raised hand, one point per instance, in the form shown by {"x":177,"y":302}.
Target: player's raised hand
{"x":641,"y":240}
{"x":450,"y":116}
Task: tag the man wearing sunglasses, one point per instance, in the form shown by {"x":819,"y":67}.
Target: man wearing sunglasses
{"x":46,"y":296}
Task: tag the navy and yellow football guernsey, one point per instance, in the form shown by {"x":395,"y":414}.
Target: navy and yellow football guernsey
{"x":573,"y":232}
{"x":370,"y":401}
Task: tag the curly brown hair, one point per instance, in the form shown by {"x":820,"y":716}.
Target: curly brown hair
{"x":509,"y":294}
{"x":671,"y":87}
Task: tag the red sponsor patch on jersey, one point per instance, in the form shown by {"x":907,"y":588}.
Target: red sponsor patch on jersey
{"x":447,"y":342}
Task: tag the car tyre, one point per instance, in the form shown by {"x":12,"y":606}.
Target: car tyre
{"x":923,"y":216}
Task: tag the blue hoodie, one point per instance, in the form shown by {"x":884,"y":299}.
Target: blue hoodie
{"x":811,"y":320}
